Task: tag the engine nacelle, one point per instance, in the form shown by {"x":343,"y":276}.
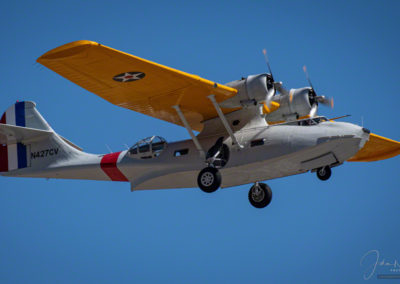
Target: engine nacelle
{"x":295,"y":104}
{"x":251,"y":91}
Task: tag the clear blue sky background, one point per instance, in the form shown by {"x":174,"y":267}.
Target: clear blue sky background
{"x":60,"y":231}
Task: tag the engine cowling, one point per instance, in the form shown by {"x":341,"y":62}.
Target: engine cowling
{"x":297,"y":103}
{"x":251,"y":91}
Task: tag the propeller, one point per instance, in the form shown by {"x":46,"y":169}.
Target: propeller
{"x":270,"y":82}
{"x":313,"y":110}
{"x":314,"y":98}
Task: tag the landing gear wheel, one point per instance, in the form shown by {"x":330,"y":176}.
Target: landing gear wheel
{"x":324,"y":173}
{"x":260,"y":195}
{"x":209,"y":179}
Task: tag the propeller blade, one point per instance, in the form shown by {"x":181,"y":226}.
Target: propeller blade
{"x":307,"y":76}
{"x":325,"y":101}
{"x":313,"y":111}
{"x":279,"y":87}
{"x":272,"y":86}
{"x":268,"y":97}
{"x":267,"y":61}
{"x":313,"y":95}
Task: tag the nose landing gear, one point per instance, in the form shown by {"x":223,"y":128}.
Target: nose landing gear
{"x":260,"y":195}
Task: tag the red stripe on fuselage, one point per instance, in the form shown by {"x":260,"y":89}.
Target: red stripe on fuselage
{"x":3,"y":150}
{"x":109,"y":165}
{"x":3,"y":119}
{"x":3,"y":158}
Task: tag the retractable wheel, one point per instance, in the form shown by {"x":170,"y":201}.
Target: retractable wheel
{"x":209,"y":179}
{"x":260,"y":195}
{"x":324,"y":173}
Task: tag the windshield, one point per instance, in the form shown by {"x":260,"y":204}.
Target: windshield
{"x":312,"y":121}
{"x":147,"y":148}
{"x":304,"y":122}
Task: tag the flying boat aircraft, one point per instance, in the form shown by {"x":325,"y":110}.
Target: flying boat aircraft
{"x":250,"y":130}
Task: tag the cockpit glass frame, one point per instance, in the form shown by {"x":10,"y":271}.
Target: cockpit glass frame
{"x":305,"y":122}
{"x":312,"y":121}
{"x":149,"y":147}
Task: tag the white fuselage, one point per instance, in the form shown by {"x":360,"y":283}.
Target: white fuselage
{"x":285,"y":150}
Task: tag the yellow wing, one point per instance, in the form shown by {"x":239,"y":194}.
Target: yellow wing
{"x":377,"y":148}
{"x":135,"y":83}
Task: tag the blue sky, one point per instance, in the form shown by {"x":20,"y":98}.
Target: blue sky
{"x":60,"y":231}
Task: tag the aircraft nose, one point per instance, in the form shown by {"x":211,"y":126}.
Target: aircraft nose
{"x":362,"y":132}
{"x":366,"y":130}
{"x":355,"y":131}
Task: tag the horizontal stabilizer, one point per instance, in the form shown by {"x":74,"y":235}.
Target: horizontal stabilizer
{"x":10,"y":134}
{"x":377,"y":148}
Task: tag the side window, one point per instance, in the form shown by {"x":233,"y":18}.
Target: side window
{"x":257,"y":142}
{"x":181,"y":152}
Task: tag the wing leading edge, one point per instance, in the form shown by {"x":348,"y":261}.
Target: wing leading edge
{"x":135,"y":83}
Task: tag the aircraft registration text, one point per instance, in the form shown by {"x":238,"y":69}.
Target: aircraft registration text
{"x":44,"y":153}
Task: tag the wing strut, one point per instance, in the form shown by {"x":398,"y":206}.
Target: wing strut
{"x":189,"y":129}
{"x":224,"y":121}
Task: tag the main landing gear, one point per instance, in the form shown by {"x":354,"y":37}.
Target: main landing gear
{"x":324,"y":173}
{"x":209,"y":179}
{"x":260,"y":195}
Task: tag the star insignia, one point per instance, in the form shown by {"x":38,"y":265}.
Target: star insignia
{"x":129,"y":76}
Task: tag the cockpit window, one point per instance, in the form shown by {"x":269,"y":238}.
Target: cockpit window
{"x":304,"y":122}
{"x":158,"y":144}
{"x":148,"y":148}
{"x":312,"y":121}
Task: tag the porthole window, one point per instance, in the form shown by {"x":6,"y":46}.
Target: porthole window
{"x":257,"y":142}
{"x":182,"y":152}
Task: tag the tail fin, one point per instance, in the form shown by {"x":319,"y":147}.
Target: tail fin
{"x":26,"y":139}
{"x":29,"y":147}
{"x":24,"y":114}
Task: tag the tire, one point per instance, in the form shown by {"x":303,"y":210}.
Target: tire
{"x":209,"y":179}
{"x":264,"y":197}
{"x":324,"y":173}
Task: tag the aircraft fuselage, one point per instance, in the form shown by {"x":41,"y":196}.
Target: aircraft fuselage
{"x":268,"y":152}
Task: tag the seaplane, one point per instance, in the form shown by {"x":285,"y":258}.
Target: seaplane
{"x":243,"y":132}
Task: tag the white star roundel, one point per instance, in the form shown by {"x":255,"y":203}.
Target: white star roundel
{"x":129,"y":76}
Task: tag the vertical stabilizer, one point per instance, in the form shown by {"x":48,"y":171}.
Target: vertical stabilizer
{"x":13,"y":153}
{"x":24,"y":114}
